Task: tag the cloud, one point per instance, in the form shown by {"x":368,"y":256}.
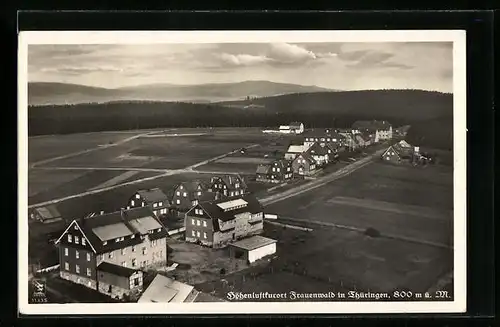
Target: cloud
{"x":242,"y":59}
{"x":77,"y":70}
{"x":290,"y":53}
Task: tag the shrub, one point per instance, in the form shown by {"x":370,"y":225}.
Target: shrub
{"x":223,"y":271}
{"x":372,"y":232}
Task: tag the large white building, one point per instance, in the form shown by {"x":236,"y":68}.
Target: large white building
{"x":293,"y":128}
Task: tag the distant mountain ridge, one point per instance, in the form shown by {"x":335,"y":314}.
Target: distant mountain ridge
{"x":48,"y":93}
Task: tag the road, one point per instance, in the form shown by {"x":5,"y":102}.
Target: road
{"x":164,"y":173}
{"x":321,"y":181}
{"x":99,"y":147}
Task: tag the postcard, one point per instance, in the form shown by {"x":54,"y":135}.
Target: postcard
{"x":240,"y":172}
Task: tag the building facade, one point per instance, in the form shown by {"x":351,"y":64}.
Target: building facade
{"x":380,"y":128}
{"x":131,"y":238}
{"x":152,"y":198}
{"x":217,"y":223}
{"x":278,"y":171}
{"x":188,"y":194}
{"x":304,"y":165}
{"x":227,"y":186}
{"x":319,"y":154}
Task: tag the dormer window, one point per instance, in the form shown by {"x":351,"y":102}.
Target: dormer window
{"x":155,"y":205}
{"x":160,"y":203}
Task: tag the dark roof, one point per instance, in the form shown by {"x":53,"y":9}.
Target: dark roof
{"x":322,"y":133}
{"x":307,"y":157}
{"x":115,"y":269}
{"x":263,"y":169}
{"x":317,"y":149}
{"x":403,"y":152}
{"x":230,"y":180}
{"x":153,"y":195}
{"x":48,"y":212}
{"x":215,"y":212}
{"x":119,"y":217}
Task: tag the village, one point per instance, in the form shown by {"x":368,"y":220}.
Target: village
{"x":135,"y":252}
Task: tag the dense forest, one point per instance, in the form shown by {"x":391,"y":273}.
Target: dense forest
{"x":338,"y":109}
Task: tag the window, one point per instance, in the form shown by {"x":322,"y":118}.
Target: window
{"x":155,"y":205}
{"x":184,"y":194}
{"x":124,"y":250}
{"x":66,"y":266}
{"x":137,"y":196}
{"x":88,"y":256}
{"x":178,"y":193}
{"x":178,"y":201}
{"x":66,"y":252}
{"x":84,"y":241}
{"x":144,"y":250}
{"x":132,"y":236}
{"x":160,"y":254}
{"x":274,"y":169}
{"x":136,"y":281}
{"x":232,"y":193}
{"x":110,"y":255}
{"x":198,"y":234}
{"x":158,"y":230}
{"x":193,"y":233}
{"x":195,"y":202}
{"x":134,"y":262}
{"x":105,"y":242}
{"x":198,"y":223}
{"x":77,"y":254}
{"x":153,"y":243}
{"x":278,"y":169}
{"x":89,"y":272}
{"x":132,"y":203}
{"x":199,"y":193}
{"x":204,"y":235}
{"x":204,"y":223}
{"x":193,"y":222}
{"x":133,"y":248}
{"x":124,"y":263}
{"x":77,"y":268}
{"x":70,"y":239}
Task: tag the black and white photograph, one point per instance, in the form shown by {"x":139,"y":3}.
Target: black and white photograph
{"x":176,"y":172}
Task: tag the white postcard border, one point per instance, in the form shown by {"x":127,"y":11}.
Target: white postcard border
{"x":458,"y":37}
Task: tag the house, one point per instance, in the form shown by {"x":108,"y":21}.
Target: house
{"x":324,"y":136}
{"x":222,"y":221}
{"x":319,"y":154}
{"x":153,"y":198}
{"x":167,"y":290}
{"x":380,"y":128}
{"x":252,"y":248}
{"x":292,"y":128}
{"x":363,"y":140}
{"x":227,"y":185}
{"x":278,"y":171}
{"x":304,"y":165}
{"x":350,"y":141}
{"x":294,"y":150}
{"x":119,"y":282}
{"x":47,"y":214}
{"x":399,"y":153}
{"x":332,"y":150}
{"x":188,"y":194}
{"x":132,"y":238}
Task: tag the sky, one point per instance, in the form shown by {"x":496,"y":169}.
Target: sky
{"x":339,"y":66}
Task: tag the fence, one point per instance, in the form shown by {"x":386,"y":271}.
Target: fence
{"x":48,"y":269}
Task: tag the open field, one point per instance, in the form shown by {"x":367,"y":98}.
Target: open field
{"x":330,"y":259}
{"x":403,"y":201}
{"x":49,"y":146}
{"x":40,"y":181}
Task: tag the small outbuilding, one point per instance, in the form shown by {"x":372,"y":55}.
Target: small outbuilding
{"x":252,"y":248}
{"x":46,"y":214}
{"x":166,"y":290}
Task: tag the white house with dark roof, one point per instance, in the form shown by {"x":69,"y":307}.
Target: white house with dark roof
{"x":153,"y":198}
{"x":219,"y":222}
{"x":132,"y":238}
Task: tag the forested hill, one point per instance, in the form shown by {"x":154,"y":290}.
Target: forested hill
{"x":328,"y":109}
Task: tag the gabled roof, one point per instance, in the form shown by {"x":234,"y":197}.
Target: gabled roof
{"x":263,"y":169}
{"x":296,"y":148}
{"x":317,"y":149}
{"x":306,"y":156}
{"x":153,"y":195}
{"x":230,"y":180}
{"x":116,"y":270}
{"x":127,"y":224}
{"x":48,"y":212}
{"x":253,"y":242}
{"x":215,"y":212}
{"x":164,"y":289}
